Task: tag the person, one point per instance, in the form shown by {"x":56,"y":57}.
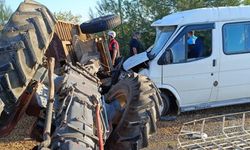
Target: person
{"x":195,"y":45}
{"x":191,"y":38}
{"x":113,"y":46}
{"x":135,"y":45}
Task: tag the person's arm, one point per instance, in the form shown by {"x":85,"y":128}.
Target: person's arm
{"x":114,"y":55}
{"x":115,"y":51}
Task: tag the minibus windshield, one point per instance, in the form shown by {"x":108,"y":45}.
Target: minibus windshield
{"x":162,"y":36}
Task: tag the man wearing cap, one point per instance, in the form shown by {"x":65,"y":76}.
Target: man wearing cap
{"x":113,"y":46}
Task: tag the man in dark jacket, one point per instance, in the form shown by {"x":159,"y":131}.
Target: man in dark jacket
{"x":135,"y":45}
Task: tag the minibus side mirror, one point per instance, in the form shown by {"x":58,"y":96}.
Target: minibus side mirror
{"x":166,"y":58}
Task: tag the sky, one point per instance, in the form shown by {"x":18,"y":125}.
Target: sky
{"x":77,"y":7}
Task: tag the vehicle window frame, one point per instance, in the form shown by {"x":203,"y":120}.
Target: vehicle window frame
{"x":223,"y":38}
{"x":207,"y":26}
{"x":150,"y":56}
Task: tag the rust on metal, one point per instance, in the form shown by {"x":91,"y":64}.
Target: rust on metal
{"x":105,"y":56}
{"x":61,"y":47}
{"x":33,"y":108}
{"x":21,"y":106}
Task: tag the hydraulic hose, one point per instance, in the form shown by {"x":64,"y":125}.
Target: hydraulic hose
{"x":99,"y":129}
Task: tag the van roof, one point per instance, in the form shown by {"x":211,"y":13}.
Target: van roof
{"x":202,"y":15}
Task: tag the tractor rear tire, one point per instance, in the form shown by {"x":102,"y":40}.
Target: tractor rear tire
{"x":23,"y":42}
{"x":138,"y":120}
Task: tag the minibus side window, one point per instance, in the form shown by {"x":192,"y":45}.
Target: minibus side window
{"x":236,"y":38}
{"x":193,"y":45}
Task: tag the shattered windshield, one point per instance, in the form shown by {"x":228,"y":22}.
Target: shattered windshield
{"x":162,"y":36}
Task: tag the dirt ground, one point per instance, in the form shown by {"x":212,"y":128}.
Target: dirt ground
{"x":19,"y":138}
{"x":165,"y":139}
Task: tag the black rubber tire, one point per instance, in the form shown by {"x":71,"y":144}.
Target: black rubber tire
{"x":101,"y":24}
{"x":156,"y":96}
{"x":117,"y":70}
{"x":23,"y":43}
{"x":138,"y":121}
{"x":166,"y":104}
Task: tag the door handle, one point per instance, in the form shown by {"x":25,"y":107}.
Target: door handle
{"x":214,"y":62}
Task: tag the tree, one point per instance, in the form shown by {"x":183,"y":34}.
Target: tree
{"x":67,"y":16}
{"x":138,"y":15}
{"x":134,"y":17}
{"x":5,"y":13}
{"x":246,"y":2}
{"x":157,"y":9}
{"x":218,"y":3}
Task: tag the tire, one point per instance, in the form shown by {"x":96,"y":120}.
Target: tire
{"x":138,"y":121}
{"x":117,"y":70}
{"x":24,"y":41}
{"x":156,"y":96}
{"x":100,"y":24}
{"x":166,"y":104}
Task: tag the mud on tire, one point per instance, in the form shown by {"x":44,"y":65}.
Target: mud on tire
{"x":137,"y":96}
